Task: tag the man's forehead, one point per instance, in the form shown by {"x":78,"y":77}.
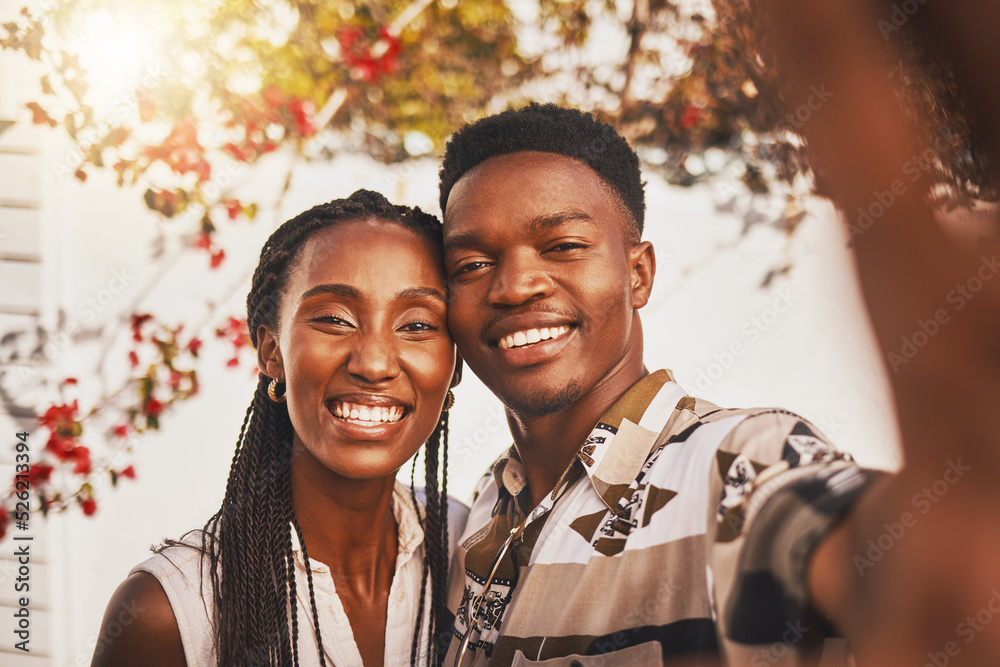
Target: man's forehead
{"x":527,"y":185}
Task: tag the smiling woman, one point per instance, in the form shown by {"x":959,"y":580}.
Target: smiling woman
{"x":348,"y":315}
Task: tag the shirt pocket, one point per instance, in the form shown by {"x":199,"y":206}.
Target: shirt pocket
{"x":640,"y":655}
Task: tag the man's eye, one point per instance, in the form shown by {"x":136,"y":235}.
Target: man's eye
{"x":470,"y":267}
{"x":563,"y":247}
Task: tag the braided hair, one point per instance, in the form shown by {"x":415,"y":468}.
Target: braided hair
{"x":248,"y":541}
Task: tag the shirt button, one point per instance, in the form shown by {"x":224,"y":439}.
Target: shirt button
{"x":400,"y":595}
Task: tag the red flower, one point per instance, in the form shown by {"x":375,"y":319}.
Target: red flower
{"x":304,"y":113}
{"x":242,"y":153}
{"x":194,"y":346}
{"x":61,"y":419}
{"x":89,"y":505}
{"x":233,"y":208}
{"x":70,"y":381}
{"x":204,"y":241}
{"x":690,"y":116}
{"x":137,"y":321}
{"x":154,"y":407}
{"x":81,"y":174}
{"x":81,"y":456}
{"x":4,"y":522}
{"x":235,"y":361}
{"x":133,"y":358}
{"x":121,"y":431}
{"x":61,"y":446}
{"x":39,"y":473}
{"x":217,"y":258}
{"x":203,"y":169}
{"x":39,"y":116}
{"x":128,"y":472}
{"x":368,"y":62}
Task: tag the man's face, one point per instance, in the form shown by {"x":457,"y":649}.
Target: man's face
{"x":543,"y":287}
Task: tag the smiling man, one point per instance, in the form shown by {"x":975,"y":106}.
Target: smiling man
{"x":630,"y":523}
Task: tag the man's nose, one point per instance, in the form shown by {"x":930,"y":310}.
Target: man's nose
{"x":519,"y":277}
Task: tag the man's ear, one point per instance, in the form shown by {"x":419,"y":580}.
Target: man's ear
{"x":459,"y":365}
{"x":269,"y":359}
{"x":642,"y":269}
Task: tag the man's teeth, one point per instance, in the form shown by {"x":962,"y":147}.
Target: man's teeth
{"x":531,"y":336}
{"x":366,"y":413}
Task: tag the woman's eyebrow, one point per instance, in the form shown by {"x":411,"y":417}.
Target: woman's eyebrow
{"x":335,"y":289}
{"x":418,"y":293}
{"x":346,"y":291}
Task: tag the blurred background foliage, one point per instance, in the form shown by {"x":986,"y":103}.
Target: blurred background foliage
{"x":691,"y":84}
{"x":169,"y":93}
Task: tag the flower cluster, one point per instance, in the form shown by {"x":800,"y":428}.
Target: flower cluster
{"x":238,"y":335}
{"x":267,"y":120}
{"x":368,"y":60}
{"x":181,"y":151}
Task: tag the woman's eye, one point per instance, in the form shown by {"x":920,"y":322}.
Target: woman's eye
{"x":331,"y":319}
{"x":418,"y":327}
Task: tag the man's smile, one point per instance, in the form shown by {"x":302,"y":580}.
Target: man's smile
{"x":531,"y":336}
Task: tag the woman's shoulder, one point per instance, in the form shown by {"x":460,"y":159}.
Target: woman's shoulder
{"x":180,"y":571}
{"x":181,"y":557}
{"x":139,"y":626}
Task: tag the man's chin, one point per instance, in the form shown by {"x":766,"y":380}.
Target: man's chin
{"x":534,"y":403}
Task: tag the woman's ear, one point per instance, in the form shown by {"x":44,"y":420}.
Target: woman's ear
{"x":459,"y":365}
{"x":269,"y":359}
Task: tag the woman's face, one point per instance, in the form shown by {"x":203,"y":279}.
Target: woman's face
{"x":363,"y":346}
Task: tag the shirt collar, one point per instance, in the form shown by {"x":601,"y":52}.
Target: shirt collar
{"x":617,"y":447}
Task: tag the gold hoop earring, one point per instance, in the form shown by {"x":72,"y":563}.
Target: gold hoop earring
{"x":272,"y":392}
{"x":449,"y":402}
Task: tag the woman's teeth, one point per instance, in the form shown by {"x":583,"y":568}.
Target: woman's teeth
{"x":366,"y":413}
{"x":531,"y":336}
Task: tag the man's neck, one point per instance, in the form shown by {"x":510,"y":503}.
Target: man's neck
{"x":547,"y":445}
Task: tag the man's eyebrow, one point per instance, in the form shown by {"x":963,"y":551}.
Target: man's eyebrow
{"x":537,"y":224}
{"x":546,"y":222}
{"x":462,"y":240}
{"x":333,"y":290}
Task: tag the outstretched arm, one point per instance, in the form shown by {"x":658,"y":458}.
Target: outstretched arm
{"x":917,"y":557}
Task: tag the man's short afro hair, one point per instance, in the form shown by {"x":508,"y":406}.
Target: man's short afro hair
{"x":550,"y":129}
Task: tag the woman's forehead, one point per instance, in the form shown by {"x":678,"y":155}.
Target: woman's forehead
{"x":370,"y":253}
